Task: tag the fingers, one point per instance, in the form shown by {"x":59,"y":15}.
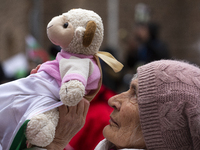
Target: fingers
{"x":33,"y":71}
{"x":63,"y":110}
{"x":38,"y":67}
{"x":82,"y":107}
{"x":73,"y":109}
{"x":86,"y":108}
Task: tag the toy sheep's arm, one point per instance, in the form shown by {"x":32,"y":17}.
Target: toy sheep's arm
{"x":74,"y":73}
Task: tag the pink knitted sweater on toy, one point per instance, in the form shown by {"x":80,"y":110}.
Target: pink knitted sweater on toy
{"x":68,"y":66}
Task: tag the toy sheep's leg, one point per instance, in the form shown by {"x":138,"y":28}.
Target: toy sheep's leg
{"x":72,"y":92}
{"x":41,"y":128}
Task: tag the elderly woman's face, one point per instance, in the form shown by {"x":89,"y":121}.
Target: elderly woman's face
{"x":124,"y":129}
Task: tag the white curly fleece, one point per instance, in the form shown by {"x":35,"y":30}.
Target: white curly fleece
{"x":79,"y":18}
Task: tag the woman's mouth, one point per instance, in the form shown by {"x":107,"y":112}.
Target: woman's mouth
{"x":113,"y":122}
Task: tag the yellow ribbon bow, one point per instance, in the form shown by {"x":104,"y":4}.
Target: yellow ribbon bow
{"x":110,"y":60}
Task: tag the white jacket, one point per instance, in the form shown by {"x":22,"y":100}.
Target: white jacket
{"x":21,"y":99}
{"x":103,"y":145}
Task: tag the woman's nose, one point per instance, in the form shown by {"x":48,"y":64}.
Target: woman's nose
{"x":114,"y":102}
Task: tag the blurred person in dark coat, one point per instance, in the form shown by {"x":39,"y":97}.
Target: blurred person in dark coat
{"x":146,"y":45}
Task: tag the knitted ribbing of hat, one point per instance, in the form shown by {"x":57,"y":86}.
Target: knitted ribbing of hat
{"x":169,"y":105}
{"x":178,"y":95}
{"x":178,"y":72}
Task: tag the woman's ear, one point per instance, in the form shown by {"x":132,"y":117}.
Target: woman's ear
{"x":89,"y":33}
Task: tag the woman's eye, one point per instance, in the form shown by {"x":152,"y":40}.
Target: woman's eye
{"x":65,"y":25}
{"x":133,"y":91}
{"x":134,"y":94}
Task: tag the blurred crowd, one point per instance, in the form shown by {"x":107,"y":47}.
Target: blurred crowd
{"x":144,"y":46}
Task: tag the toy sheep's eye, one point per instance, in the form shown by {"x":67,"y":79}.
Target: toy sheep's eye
{"x":65,"y":25}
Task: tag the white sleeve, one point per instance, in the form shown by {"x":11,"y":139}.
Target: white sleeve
{"x":35,"y":148}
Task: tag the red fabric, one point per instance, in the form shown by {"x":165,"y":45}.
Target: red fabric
{"x":97,"y":118}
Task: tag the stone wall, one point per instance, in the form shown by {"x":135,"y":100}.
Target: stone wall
{"x":13,"y":27}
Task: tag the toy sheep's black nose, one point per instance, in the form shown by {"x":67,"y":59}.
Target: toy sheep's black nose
{"x":65,"y":25}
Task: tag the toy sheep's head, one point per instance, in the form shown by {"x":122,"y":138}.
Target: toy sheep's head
{"x":77,"y":31}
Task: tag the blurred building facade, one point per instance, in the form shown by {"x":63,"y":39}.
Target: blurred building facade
{"x":179,"y":21}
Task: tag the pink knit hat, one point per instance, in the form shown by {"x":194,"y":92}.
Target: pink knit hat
{"x":169,"y":105}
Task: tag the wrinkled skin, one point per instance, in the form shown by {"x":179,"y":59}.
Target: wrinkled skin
{"x":124,"y":129}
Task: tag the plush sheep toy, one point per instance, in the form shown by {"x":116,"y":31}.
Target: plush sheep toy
{"x":31,"y":103}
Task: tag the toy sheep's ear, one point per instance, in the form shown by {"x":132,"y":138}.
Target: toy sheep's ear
{"x":79,"y":33}
{"x":89,"y":33}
